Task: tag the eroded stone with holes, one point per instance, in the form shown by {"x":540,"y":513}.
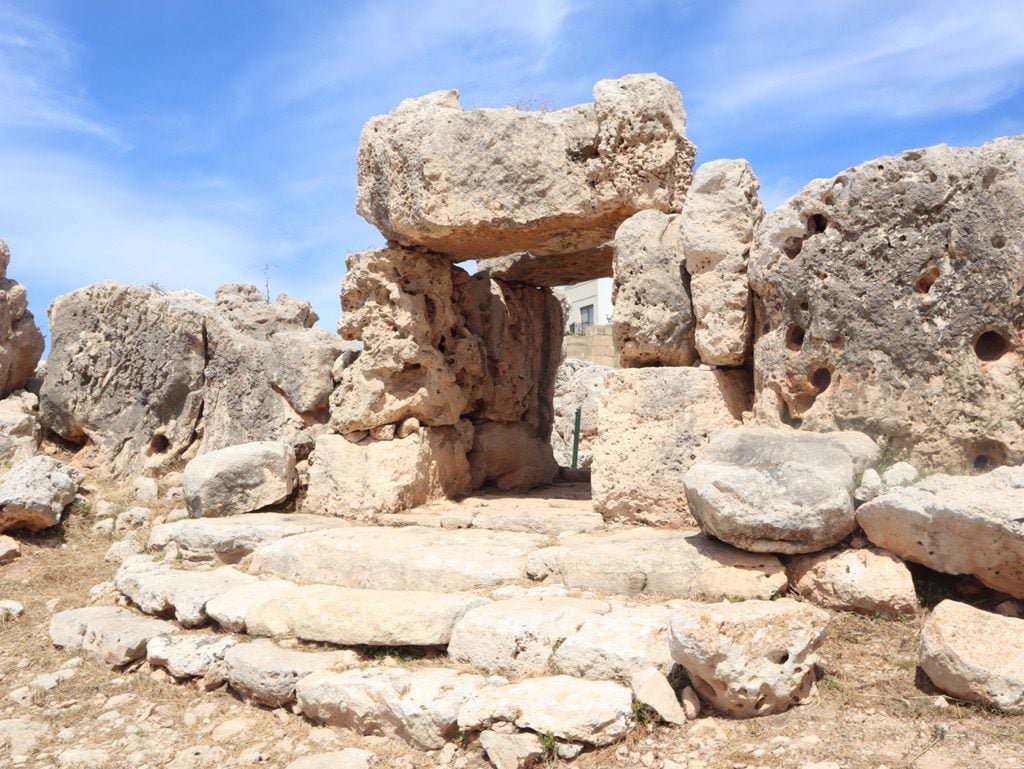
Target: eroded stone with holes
{"x":889,"y":303}
{"x":752,"y":658}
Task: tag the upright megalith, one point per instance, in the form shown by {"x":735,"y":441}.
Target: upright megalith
{"x":141,"y":375}
{"x":268,"y":371}
{"x":889,"y":301}
{"x":440,"y":345}
{"x":491,"y":182}
{"x":717,"y":229}
{"x":125,"y":373}
{"x":21,"y":342}
{"x":653,"y":323}
{"x":453,"y":387}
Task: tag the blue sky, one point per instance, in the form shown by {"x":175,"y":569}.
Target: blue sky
{"x":192,"y":143}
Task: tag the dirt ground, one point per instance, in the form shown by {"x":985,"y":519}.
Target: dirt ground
{"x":873,"y":708}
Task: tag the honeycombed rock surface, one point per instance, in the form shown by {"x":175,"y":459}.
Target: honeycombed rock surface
{"x":567,"y":178}
{"x":142,"y":376}
{"x":888,"y":302}
{"x":21,"y":342}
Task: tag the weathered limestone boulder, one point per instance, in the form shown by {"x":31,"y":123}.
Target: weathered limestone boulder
{"x":716,"y":230}
{"x":778,"y":490}
{"x":614,"y":645}
{"x":591,"y":712}
{"x":230,"y":608}
{"x":511,"y":751}
{"x":975,"y":655}
{"x":231,"y":538}
{"x":142,"y":375}
{"x":749,"y":659}
{"x":156,"y":587}
{"x":410,"y":558}
{"x":267,"y":674}
{"x":347,"y":617}
{"x":21,"y":342}
{"x":888,"y":301}
{"x":20,"y":433}
{"x":653,"y":423}
{"x":268,"y":374}
{"x":126,"y":373}
{"x":109,"y":635}
{"x":867,"y":581}
{"x":653,"y":323}
{"x":658,"y":562}
{"x":956,"y":525}
{"x":371,"y":477}
{"x":518,"y":637}
{"x":440,"y":345}
{"x":552,"y":270}
{"x":418,"y":706}
{"x":511,"y":457}
{"x":188,"y":656}
{"x":33,"y":494}
{"x":239,"y":479}
{"x":565,"y":179}
{"x":578,"y":385}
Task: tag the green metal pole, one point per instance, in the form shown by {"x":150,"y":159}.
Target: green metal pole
{"x":576,"y":438}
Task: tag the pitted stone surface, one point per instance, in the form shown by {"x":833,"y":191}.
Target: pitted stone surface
{"x":888,"y":301}
{"x":568,"y":178}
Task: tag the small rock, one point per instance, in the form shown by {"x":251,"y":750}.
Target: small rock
{"x":146,"y":489}
{"x":126,"y":548}
{"x":10,"y":611}
{"x":349,"y":758}
{"x":10,"y":549}
{"x":511,"y":751}
{"x":133,"y":518}
{"x":651,"y":688}
{"x":691,"y":703}
{"x":900,"y":474}
{"x":231,"y":729}
{"x":870,"y":486}
{"x":83,"y":759}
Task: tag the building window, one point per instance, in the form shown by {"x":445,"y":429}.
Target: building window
{"x":586,"y":317}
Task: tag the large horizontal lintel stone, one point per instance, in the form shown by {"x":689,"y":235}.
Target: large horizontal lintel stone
{"x":496,"y":181}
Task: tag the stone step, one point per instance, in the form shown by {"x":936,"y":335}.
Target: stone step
{"x":267,"y":674}
{"x":110,"y":635}
{"x":585,"y":638}
{"x":417,"y":706}
{"x":350,"y":617}
{"x":671,"y":563}
{"x":188,"y":656}
{"x":410,"y":558}
{"x":156,"y":587}
{"x":571,"y":709}
{"x":231,"y":538}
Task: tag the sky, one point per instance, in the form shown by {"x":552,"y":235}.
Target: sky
{"x":189,"y":143}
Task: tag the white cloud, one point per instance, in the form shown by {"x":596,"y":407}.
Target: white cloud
{"x":876,"y":60}
{"x":35,"y":92}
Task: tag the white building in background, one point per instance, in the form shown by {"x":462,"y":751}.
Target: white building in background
{"x":590,"y":304}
